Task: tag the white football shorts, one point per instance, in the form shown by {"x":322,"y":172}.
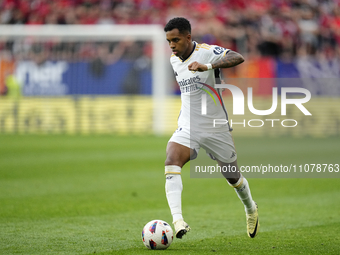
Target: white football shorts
{"x":217,"y":145}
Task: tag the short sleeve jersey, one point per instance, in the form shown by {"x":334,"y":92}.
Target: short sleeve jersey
{"x":201,"y":102}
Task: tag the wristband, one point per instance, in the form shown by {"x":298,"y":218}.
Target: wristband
{"x":209,"y":66}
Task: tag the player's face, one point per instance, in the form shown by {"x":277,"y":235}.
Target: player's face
{"x":179,"y":43}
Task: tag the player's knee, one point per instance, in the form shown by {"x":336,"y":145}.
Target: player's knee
{"x":171,"y":161}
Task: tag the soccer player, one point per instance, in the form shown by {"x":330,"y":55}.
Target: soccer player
{"x":196,"y":66}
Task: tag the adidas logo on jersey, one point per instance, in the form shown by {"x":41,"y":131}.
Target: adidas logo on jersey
{"x":233,"y":154}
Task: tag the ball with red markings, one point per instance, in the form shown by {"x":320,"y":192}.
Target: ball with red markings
{"x":157,"y":235}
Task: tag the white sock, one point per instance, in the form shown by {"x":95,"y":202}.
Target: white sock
{"x":243,"y":192}
{"x":173,"y":190}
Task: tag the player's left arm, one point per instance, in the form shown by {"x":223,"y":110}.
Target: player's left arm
{"x":231,"y":59}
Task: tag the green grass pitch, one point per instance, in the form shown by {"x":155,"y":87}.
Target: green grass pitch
{"x":93,"y":194}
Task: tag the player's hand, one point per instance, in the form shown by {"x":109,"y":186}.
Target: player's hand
{"x":195,"y":66}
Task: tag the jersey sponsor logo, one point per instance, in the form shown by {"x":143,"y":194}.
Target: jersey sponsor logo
{"x":188,"y":85}
{"x":189,"y":88}
{"x":190,"y":81}
{"x":218,"y":50}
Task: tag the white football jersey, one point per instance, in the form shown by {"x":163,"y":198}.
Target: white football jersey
{"x":194,"y":84}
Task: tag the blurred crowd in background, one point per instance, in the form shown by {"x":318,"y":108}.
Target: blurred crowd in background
{"x":297,"y":40}
{"x":286,"y":38}
{"x":278,"y":28}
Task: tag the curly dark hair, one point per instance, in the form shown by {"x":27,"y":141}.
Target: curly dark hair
{"x":182,"y":24}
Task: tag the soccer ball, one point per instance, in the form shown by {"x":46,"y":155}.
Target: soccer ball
{"x":157,"y":235}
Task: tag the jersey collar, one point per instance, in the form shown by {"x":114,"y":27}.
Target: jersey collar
{"x":183,"y":60}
